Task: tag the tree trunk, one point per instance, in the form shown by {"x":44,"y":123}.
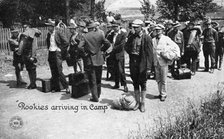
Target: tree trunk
{"x":92,"y":9}
{"x":67,"y":4}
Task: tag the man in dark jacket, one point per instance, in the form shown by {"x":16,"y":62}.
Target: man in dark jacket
{"x":210,"y":39}
{"x":118,"y":41}
{"x":27,"y":49}
{"x":17,"y":60}
{"x":139,"y":47}
{"x":57,"y":44}
{"x":93,"y":61}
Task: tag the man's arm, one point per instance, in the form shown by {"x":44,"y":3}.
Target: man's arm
{"x":119,"y":46}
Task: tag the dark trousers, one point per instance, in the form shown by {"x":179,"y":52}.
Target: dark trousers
{"x":55,"y":62}
{"x":190,"y":58}
{"x":219,"y":56}
{"x":119,"y":72}
{"x":175,"y":65}
{"x":94,"y":75}
{"x":209,"y":50}
{"x":139,"y":79}
{"x":31,"y":68}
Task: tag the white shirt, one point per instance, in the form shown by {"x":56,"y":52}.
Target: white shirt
{"x":110,"y":19}
{"x":53,"y":45}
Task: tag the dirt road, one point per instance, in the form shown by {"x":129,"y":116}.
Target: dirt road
{"x":41,"y":119}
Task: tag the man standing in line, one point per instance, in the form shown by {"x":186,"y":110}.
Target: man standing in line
{"x":161,"y":45}
{"x":93,"y":61}
{"x":177,"y":36}
{"x":57,"y":44}
{"x":27,"y":48}
{"x":17,"y":60}
{"x":118,"y":42}
{"x":139,"y":47}
{"x":210,"y":39}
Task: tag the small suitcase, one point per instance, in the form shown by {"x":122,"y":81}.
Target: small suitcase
{"x":80,"y":85}
{"x":47,"y":85}
{"x":182,"y":73}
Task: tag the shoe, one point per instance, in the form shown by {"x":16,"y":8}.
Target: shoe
{"x":219,"y":68}
{"x":116,"y":87}
{"x":211,"y":71}
{"x":142,"y":107}
{"x":157,"y":97}
{"x":31,"y":86}
{"x":125,"y":88}
{"x":192,"y":73}
{"x":162,"y":98}
{"x":93,"y":100}
{"x":206,"y":70}
{"x":67,"y":91}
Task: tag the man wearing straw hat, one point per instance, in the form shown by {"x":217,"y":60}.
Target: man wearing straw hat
{"x":17,"y":59}
{"x":139,"y":47}
{"x":93,"y":60}
{"x":57,"y":44}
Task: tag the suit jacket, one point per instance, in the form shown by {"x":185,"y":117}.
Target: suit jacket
{"x":164,"y":44}
{"x":118,"y":47}
{"x":94,"y":43}
{"x":146,"y":51}
{"x":61,"y":41}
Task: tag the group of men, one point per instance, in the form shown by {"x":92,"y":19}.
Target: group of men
{"x":152,"y":48}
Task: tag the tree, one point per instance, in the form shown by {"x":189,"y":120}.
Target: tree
{"x":99,"y":11}
{"x":185,"y":9}
{"x":147,"y":9}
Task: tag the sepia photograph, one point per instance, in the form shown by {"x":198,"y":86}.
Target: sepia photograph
{"x":111,"y":69}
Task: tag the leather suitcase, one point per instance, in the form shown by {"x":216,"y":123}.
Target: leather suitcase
{"x":80,"y":85}
{"x":47,"y":85}
{"x":182,"y":73}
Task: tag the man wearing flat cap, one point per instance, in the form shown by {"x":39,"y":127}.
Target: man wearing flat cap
{"x":93,"y":60}
{"x":57,"y":44}
{"x":163,"y":45}
{"x":17,"y":59}
{"x":210,"y":39}
{"x":27,"y":49}
{"x":139,"y":47}
{"x":118,"y":40}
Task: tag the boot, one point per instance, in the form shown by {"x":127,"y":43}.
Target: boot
{"x":32,"y":76}
{"x":19,"y":80}
{"x":142,"y":104}
{"x":137,"y":98}
{"x":220,"y":65}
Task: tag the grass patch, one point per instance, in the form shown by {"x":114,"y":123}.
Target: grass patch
{"x":205,"y":121}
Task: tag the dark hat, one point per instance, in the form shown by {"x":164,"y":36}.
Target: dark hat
{"x":91,"y":25}
{"x":50,"y":23}
{"x":26,"y":23}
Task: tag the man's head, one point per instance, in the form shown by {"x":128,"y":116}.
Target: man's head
{"x":169,"y":24}
{"x":14,"y":31}
{"x":26,"y":25}
{"x":73,"y":28}
{"x":191,"y":24}
{"x":116,"y":26}
{"x":81,"y":26}
{"x":159,"y":29}
{"x":51,"y":25}
{"x":208,"y":23}
{"x":137,"y":25}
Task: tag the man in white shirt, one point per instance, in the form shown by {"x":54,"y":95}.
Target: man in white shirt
{"x":57,"y":44}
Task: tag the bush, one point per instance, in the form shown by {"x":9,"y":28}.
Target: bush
{"x":203,"y":122}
